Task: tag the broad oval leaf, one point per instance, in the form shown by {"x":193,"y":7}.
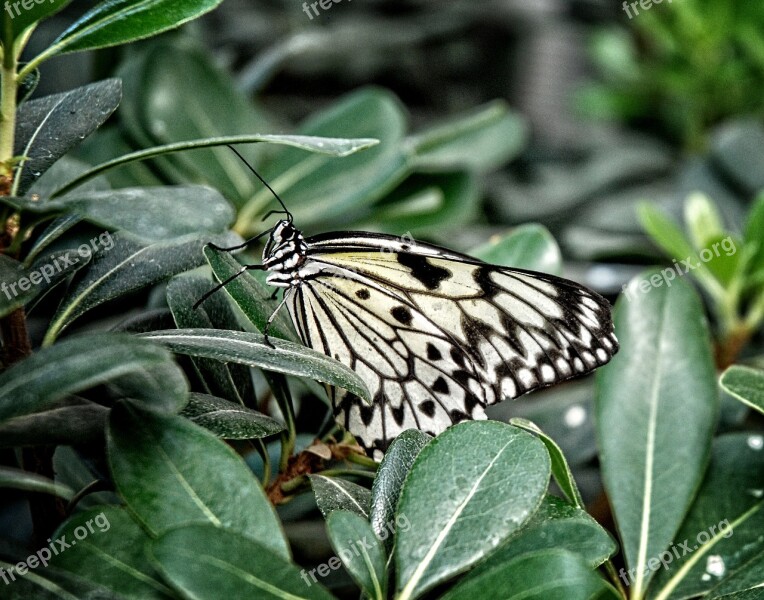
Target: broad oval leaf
{"x":172,"y":472}
{"x":125,"y":266}
{"x":656,"y":405}
{"x":529,"y":247}
{"x":50,"y":585}
{"x":151,"y":214}
{"x":321,"y":189}
{"x":208,"y":563}
{"x":81,"y":362}
{"x":361,"y":552}
{"x":51,"y":126}
{"x":556,"y":525}
{"x":745,"y":384}
{"x":229,"y":420}
{"x":121,"y":21}
{"x":109,"y":549}
{"x":391,"y":474}
{"x":484,"y":472}
{"x":333,"y":493}
{"x":250,"y":349}
{"x":546,"y":575}
{"x":483,"y":140}
{"x":723,"y":529}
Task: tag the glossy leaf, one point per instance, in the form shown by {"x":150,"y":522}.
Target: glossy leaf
{"x":110,"y":551}
{"x":361,"y":552}
{"x":229,"y":420}
{"x":546,"y":575}
{"x":333,"y":493}
{"x":391,"y":474}
{"x":151,"y":214}
{"x":19,"y":479}
{"x":704,"y":224}
{"x":171,"y":472}
{"x":745,"y":384}
{"x":207,"y":563}
{"x":48,"y":128}
{"x":556,"y":525}
{"x":250,"y":349}
{"x":321,"y":189}
{"x":81,"y":362}
{"x":496,"y":474}
{"x":122,"y":21}
{"x":722,"y":531}
{"x":16,"y":18}
{"x":126,"y":266}
{"x":230,"y":381}
{"x":657,"y":404}
{"x":481,"y":141}
{"x":529,"y":247}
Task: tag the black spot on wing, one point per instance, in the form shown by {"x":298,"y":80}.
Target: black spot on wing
{"x":433,"y":353}
{"x":401,"y":314}
{"x":428,"y":274}
{"x":428,"y":408}
{"x":440,"y":386}
{"x":363,"y":294}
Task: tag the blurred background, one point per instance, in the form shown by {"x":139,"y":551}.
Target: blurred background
{"x":493,"y":114}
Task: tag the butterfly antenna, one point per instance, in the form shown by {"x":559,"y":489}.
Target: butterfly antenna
{"x":265,"y":183}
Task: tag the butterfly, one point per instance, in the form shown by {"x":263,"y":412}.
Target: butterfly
{"x":436,"y":335}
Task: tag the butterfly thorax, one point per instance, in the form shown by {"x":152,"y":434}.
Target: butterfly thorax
{"x":284,"y":254}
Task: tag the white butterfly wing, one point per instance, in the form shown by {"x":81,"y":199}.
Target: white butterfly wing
{"x":438,"y":335}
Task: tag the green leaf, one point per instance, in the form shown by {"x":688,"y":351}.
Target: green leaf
{"x":41,"y":277}
{"x":529,"y":247}
{"x":723,"y":529}
{"x":172,"y":472}
{"x":17,"y":16}
{"x":664,"y":232}
{"x":47,"y":128}
{"x":360,"y":551}
{"x":50,"y":585}
{"x":18,"y":479}
{"x":754,"y":234}
{"x":230,"y":381}
{"x":704,"y":224}
{"x":481,"y":141}
{"x":387,"y":485}
{"x":484,"y":472}
{"x":657,"y":404}
{"x":546,"y":575}
{"x":251,"y":296}
{"x":207,"y":563}
{"x":333,"y":493}
{"x":151,"y":214}
{"x":121,"y":21}
{"x":123,"y":267}
{"x":250,"y":349}
{"x":229,"y":420}
{"x":745,"y":384}
{"x":322,"y":190}
{"x":556,"y":525}
{"x":110,"y":550}
{"x":81,"y":362}
{"x":745,"y":579}
{"x":560,"y":468}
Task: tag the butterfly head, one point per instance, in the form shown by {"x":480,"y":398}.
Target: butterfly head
{"x":285,"y":249}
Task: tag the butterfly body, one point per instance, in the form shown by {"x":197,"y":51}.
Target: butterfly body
{"x":436,"y":335}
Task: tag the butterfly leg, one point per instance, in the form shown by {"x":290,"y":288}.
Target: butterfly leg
{"x":222,"y":284}
{"x":270,"y":320}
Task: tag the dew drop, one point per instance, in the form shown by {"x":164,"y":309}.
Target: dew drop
{"x":715,"y":565}
{"x":755,"y":442}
